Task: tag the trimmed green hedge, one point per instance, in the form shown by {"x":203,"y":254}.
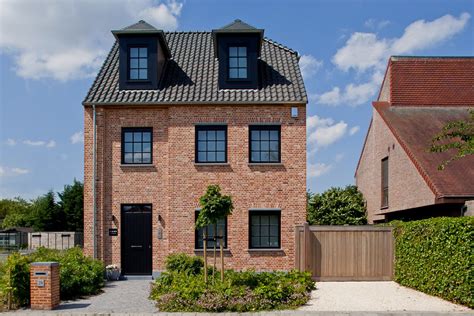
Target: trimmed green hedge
{"x":436,"y":256}
{"x":80,"y":275}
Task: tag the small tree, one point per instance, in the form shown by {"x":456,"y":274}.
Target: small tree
{"x":457,"y":135}
{"x":72,"y":205}
{"x":337,"y":206}
{"x":214,"y":207}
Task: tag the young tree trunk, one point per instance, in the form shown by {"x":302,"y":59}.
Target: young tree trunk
{"x":215,"y":244}
{"x":221,"y":236}
{"x":204,"y":240}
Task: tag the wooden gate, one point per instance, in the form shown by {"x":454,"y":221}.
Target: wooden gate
{"x":345,"y":253}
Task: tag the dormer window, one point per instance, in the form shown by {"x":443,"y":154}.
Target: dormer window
{"x":143,"y":53}
{"x":237,"y":62}
{"x":138,"y":63}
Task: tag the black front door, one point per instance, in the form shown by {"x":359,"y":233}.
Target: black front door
{"x":136,"y":239}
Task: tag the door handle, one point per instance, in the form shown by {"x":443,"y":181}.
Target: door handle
{"x":136,"y":246}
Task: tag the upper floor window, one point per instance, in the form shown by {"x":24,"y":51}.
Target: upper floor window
{"x":264,"y":229}
{"x":211,"y":234}
{"x":265,"y":144}
{"x":211,"y":143}
{"x":138,"y":63}
{"x":385,"y":182}
{"x":137,"y":145}
{"x":237,"y":62}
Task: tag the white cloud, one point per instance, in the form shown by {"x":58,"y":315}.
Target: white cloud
{"x":318,"y":169}
{"x":364,"y":51}
{"x":67,"y":40}
{"x":354,"y":130}
{"x":77,"y":137}
{"x":323,"y":132}
{"x":421,"y":34}
{"x":51,"y":144}
{"x":15,"y":171}
{"x":339,"y":157}
{"x":376,"y":24}
{"x":20,"y":171}
{"x":40,"y":143}
{"x":353,"y":94}
{"x":10,"y":142}
{"x":309,"y":65}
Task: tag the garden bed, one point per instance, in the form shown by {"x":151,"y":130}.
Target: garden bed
{"x":182,"y":289}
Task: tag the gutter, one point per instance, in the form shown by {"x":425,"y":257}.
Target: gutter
{"x":210,"y":103}
{"x":94,"y":198}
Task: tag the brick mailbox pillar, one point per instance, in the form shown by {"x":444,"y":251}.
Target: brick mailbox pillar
{"x":44,"y":285}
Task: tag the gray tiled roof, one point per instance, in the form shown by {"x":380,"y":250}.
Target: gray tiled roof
{"x":191,"y":76}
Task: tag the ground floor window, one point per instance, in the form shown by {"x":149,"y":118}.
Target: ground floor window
{"x":264,"y":229}
{"x":211,"y":234}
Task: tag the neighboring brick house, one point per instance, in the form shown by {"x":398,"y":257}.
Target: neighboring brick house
{"x":396,"y":173}
{"x":177,"y":111}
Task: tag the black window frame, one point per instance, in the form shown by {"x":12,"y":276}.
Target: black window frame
{"x":264,"y":128}
{"x":260,"y":213}
{"x":197,"y":234}
{"x":229,"y":78}
{"x":217,"y":127}
{"x":384,"y":180}
{"x":129,"y":68}
{"x":134,"y":130}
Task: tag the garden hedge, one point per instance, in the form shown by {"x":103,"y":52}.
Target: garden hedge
{"x":436,"y":256}
{"x":80,"y":275}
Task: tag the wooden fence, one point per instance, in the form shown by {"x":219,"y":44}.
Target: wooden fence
{"x":55,"y":240}
{"x":345,"y":253}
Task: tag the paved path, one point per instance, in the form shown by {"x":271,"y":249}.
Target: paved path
{"x":330,"y":299}
{"x":130,"y":296}
{"x":375,"y":296}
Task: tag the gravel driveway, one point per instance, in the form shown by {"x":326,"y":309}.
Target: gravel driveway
{"x":376,"y":297}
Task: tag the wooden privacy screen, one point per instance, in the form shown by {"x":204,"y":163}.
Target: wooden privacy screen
{"x":345,"y":253}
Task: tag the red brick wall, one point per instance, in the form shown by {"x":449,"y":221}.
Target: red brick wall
{"x":46,"y":297}
{"x":174,"y":183}
{"x":407,"y":189}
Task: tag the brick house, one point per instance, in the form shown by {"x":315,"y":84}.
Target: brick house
{"x":396,"y":173}
{"x":173,"y":112}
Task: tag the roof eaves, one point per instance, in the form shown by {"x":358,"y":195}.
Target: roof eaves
{"x":105,"y":103}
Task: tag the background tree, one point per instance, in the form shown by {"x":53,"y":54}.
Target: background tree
{"x":71,"y":203}
{"x":46,"y":214}
{"x":336,"y":206}
{"x":14,"y":212}
{"x":214,"y":207}
{"x":457,"y":135}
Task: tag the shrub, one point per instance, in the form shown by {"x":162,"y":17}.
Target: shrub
{"x":435,"y":256}
{"x":15,"y":277}
{"x":180,"y":262}
{"x":80,"y":275}
{"x":180,"y":291}
{"x":336,"y":206}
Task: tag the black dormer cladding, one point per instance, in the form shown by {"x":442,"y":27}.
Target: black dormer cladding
{"x":142,"y":35}
{"x":238,"y":34}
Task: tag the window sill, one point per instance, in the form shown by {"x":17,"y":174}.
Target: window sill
{"x":384,"y":207}
{"x":143,"y":165}
{"x":226,"y":250}
{"x":264,"y":250}
{"x":138,"y":81}
{"x":211,"y":164}
{"x":265,"y":164}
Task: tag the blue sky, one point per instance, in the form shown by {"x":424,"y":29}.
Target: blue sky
{"x":50,"y":51}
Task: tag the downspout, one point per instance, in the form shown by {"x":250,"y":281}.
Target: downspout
{"x":94,"y":198}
